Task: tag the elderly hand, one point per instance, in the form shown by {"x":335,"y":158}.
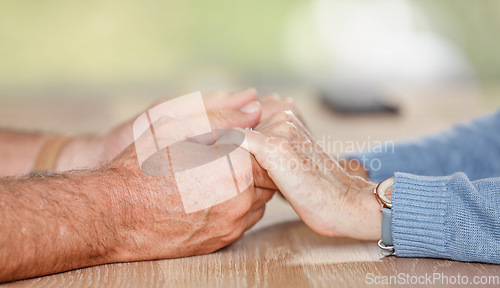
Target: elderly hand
{"x":328,"y":199}
{"x":92,"y":151}
{"x":148,"y":210}
{"x":274,"y":103}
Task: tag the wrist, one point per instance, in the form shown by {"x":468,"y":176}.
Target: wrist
{"x":128,"y":209}
{"x":357,"y":214}
{"x":365,"y":221}
{"x":371,"y":216}
{"x":113,"y":209}
{"x":93,"y":236}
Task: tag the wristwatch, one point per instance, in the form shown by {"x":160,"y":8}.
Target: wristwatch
{"x":383,"y":193}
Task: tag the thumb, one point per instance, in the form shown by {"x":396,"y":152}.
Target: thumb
{"x":247,"y":116}
{"x":260,"y":175}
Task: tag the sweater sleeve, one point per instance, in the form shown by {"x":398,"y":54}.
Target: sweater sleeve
{"x":468,"y":148}
{"x":446,"y":217}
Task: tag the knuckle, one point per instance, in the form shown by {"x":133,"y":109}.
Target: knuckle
{"x":226,"y":227}
{"x":289,"y":130}
{"x":232,"y":234}
{"x":241,"y":208}
{"x":292,"y":114}
{"x":286,"y":115}
{"x":261,"y":212}
{"x":280,"y":116}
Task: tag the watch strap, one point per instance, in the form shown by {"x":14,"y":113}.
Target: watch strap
{"x":387,"y":227}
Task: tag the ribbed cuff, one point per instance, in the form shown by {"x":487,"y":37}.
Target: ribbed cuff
{"x":419,"y":208}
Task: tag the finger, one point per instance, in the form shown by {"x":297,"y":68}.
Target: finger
{"x":246,"y":116}
{"x":261,"y":177}
{"x":238,"y":206}
{"x":300,"y":137}
{"x":282,"y":116}
{"x":307,"y":134}
{"x":302,"y":146}
{"x":301,"y":130}
{"x":274,"y":104}
{"x":260,"y":146}
{"x":221,"y":100}
{"x":271,"y":107}
{"x":254,"y":217}
{"x":300,"y":125}
{"x":274,"y":97}
{"x":237,"y":137}
{"x":286,"y":130}
{"x":290,"y":104}
{"x":268,"y":151}
{"x":229,"y":101}
{"x":295,"y":132}
{"x":262,"y":196}
{"x":272,"y":153}
{"x":294,"y":135}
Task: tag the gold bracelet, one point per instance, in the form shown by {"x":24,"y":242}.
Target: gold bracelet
{"x":49,"y":153}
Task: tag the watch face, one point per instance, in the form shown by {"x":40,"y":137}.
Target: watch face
{"x":384,"y":191}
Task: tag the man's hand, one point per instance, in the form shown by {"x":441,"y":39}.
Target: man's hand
{"x":91,"y":151}
{"x":118,"y":213}
{"x":148,"y":210}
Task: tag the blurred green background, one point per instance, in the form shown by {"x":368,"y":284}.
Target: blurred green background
{"x":185,"y":44}
{"x":55,"y":42}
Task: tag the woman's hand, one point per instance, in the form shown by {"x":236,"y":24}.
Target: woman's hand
{"x":328,"y":199}
{"x":274,"y":103}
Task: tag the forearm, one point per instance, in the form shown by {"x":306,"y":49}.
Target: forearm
{"x":18,"y":151}
{"x":466,"y":148}
{"x":54,"y":224}
{"x":446,"y":217}
{"x":436,"y":217}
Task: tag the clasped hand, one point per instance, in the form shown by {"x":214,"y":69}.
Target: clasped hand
{"x":151,"y":223}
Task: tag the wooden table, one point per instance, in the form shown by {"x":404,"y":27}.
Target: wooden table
{"x":280,"y":251}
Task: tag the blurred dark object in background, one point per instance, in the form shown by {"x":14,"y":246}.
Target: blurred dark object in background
{"x":361,"y":101}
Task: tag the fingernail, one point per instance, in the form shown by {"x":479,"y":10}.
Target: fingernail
{"x":251,"y":107}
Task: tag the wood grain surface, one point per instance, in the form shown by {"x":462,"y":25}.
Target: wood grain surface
{"x":280,"y":251}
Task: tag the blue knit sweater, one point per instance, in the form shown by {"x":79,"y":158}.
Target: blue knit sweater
{"x":446,"y":199}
